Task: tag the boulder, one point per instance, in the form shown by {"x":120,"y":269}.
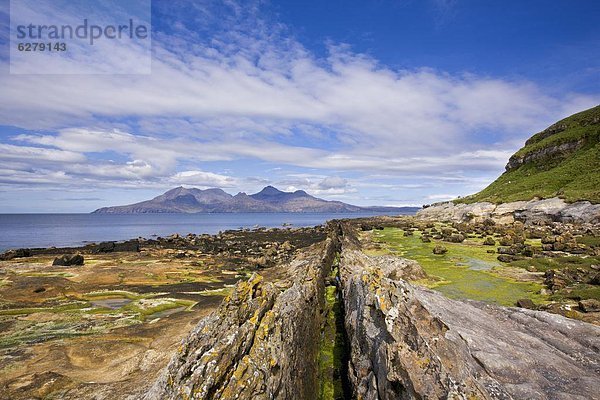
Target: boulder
{"x":18,"y":253}
{"x":68,"y":260}
{"x":438,"y":249}
{"x":506,"y":258}
{"x":589,"y":305}
{"x":455,"y":238}
{"x":489,"y":241}
{"x":112,"y":247}
{"x":526,"y":303}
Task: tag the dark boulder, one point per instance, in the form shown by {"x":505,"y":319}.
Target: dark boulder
{"x":526,"y":303}
{"x":455,"y":238}
{"x":111,"y":247}
{"x":489,"y":241}
{"x":439,"y":250}
{"x":507,"y":250}
{"x":68,"y":260}
{"x":18,"y":253}
{"x":506,"y":258}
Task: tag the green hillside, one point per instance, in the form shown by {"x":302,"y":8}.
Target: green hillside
{"x":562,"y":160}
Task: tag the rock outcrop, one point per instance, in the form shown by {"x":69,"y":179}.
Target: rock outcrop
{"x":534,"y":211}
{"x":409,"y":343}
{"x":262,"y":343}
{"x":69,"y":259}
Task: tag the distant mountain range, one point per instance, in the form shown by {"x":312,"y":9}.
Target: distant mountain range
{"x":270,"y":199}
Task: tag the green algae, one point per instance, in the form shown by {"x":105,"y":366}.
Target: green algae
{"x":109,"y":294}
{"x":146,"y":308}
{"x":69,"y":307}
{"x":466,"y":271}
{"x":49,"y":274}
{"x":332,"y":348}
{"x":66,"y":325}
{"x":224,"y":291}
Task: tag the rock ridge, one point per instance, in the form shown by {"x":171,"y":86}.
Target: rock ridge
{"x":262,"y":343}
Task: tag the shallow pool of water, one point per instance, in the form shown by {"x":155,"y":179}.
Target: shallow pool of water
{"x":166,"y":313}
{"x":113,"y":303}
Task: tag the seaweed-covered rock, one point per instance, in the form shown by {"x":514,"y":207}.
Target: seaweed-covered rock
{"x":68,"y":260}
{"x":489,"y":241}
{"x":18,"y":253}
{"x":439,"y":249}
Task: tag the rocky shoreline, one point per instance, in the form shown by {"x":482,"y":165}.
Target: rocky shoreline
{"x":533,"y":211}
{"x":275,"y":334}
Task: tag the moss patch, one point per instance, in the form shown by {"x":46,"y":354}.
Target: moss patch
{"x":331,"y":349}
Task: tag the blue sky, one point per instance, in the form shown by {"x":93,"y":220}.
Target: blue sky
{"x":369,"y":102}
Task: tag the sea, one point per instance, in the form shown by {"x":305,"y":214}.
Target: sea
{"x":67,"y":230}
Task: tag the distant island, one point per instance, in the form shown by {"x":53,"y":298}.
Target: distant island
{"x":269,"y":199}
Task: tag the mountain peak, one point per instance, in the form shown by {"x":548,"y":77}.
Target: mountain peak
{"x":270,"y":191}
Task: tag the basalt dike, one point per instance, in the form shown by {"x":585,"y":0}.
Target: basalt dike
{"x":389,"y":339}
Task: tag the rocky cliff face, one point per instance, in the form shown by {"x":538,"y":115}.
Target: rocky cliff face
{"x":404,"y":342}
{"x":556,"y":152}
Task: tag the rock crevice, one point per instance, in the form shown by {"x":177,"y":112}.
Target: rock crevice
{"x":262,"y":343}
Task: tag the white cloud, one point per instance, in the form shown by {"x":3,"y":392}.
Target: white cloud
{"x":203,"y":179}
{"x":333,"y":182}
{"x":441,"y":197}
{"x":37,"y":154}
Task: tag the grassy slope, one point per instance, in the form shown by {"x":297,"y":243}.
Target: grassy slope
{"x":576,"y":177}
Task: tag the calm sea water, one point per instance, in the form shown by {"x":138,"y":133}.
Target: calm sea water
{"x":62,"y":230}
